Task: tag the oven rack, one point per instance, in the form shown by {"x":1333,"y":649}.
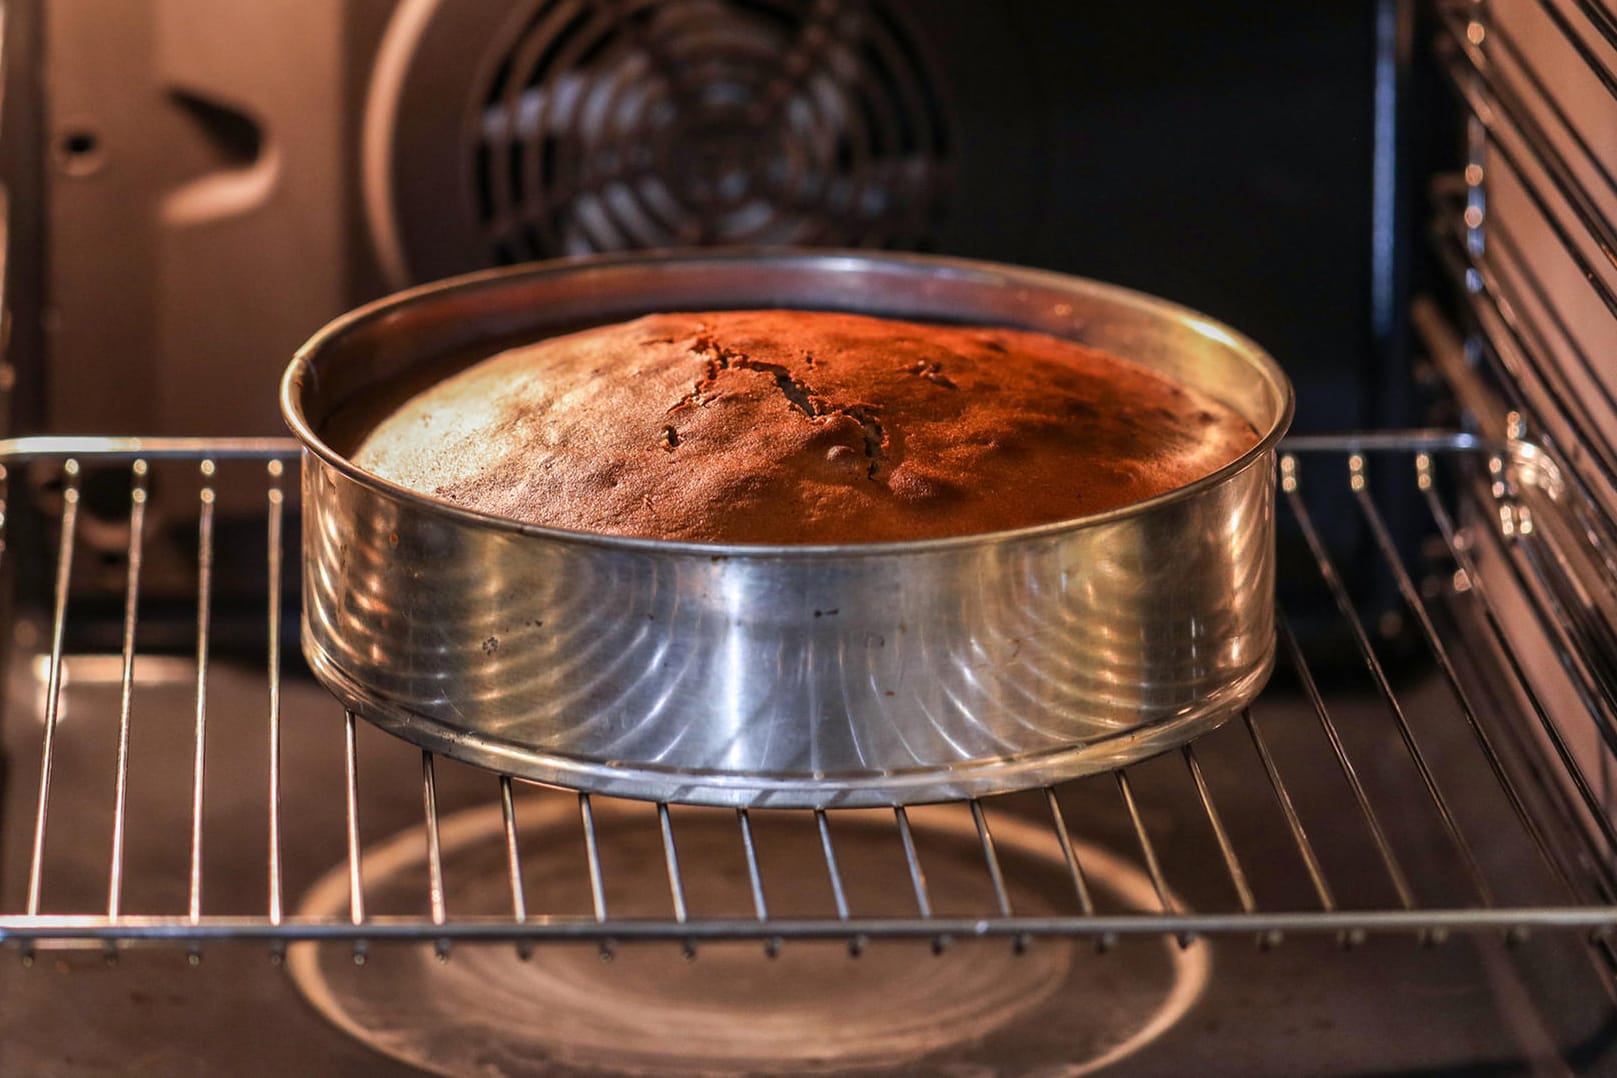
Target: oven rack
{"x":1428,"y":768}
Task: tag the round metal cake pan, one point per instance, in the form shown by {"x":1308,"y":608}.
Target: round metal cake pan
{"x":853,"y":675}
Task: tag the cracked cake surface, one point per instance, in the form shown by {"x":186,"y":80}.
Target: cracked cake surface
{"x":800,"y":427}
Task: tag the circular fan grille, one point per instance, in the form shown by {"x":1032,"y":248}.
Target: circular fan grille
{"x":620,"y":124}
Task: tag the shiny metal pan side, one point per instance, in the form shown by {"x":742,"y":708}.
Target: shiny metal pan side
{"x":864,"y":674}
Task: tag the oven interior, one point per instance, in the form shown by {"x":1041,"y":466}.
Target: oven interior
{"x":1400,"y":859}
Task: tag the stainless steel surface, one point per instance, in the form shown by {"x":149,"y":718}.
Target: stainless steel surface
{"x":138,"y":491}
{"x":53,"y":690}
{"x":1350,"y":779}
{"x":787,"y":676}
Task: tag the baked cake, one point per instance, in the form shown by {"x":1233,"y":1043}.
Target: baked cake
{"x":800,"y":427}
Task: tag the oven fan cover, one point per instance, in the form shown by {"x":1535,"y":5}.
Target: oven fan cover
{"x":499,"y":133}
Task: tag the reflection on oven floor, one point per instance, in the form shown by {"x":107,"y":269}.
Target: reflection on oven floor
{"x":1306,"y":1007}
{"x":728,"y":1009}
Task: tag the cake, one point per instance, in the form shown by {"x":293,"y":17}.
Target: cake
{"x":800,"y":427}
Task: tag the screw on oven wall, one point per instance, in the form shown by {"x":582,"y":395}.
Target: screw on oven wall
{"x":79,"y":152}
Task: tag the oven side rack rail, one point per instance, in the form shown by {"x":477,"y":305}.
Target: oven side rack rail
{"x":1555,"y":807}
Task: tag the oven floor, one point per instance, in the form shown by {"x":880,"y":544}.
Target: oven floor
{"x":1391,"y":1006}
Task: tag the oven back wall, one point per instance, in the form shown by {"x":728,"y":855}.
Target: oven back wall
{"x":208,"y":204}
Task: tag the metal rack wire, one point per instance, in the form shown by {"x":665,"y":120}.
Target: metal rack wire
{"x":1461,"y":788}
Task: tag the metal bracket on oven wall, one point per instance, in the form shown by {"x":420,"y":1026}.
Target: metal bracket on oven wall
{"x":1538,"y":495}
{"x":1477,"y":399}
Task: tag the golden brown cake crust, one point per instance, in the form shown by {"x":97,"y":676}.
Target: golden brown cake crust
{"x":801,"y":427}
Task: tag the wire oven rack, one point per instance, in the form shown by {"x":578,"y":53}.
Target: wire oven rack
{"x":1426,"y":768}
